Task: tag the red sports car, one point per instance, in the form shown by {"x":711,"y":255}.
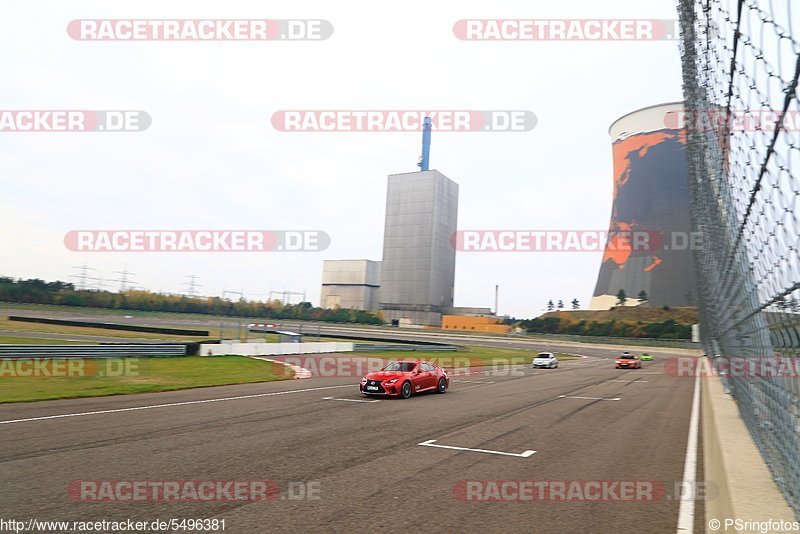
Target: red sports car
{"x":628,"y":361}
{"x":401,"y":379}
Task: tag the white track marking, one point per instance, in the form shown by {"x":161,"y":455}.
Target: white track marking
{"x":628,"y":381}
{"x":350,"y":400}
{"x":171,"y":404}
{"x":299,"y":372}
{"x":686,"y":510}
{"x":587,"y":398}
{"x":430,"y":443}
{"x":487,"y":373}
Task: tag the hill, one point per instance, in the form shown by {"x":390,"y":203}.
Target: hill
{"x":685,"y":315}
{"x":639,"y":321}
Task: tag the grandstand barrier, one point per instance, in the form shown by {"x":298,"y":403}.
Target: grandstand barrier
{"x":270,"y":349}
{"x":92,"y":351}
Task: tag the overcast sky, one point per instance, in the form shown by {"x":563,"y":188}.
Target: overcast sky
{"x":212,"y":159}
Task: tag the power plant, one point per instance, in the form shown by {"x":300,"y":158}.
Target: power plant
{"x":417,"y":274}
{"x":414,"y":282}
{"x":651,"y":198}
{"x":350,"y":284}
{"x":419,"y":260}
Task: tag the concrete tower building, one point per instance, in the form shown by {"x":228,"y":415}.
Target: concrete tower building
{"x":419,"y":259}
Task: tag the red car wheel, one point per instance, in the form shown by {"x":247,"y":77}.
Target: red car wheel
{"x":405,"y":390}
{"x":441,"y":387}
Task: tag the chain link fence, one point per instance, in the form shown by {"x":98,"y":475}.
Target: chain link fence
{"x":741,"y":62}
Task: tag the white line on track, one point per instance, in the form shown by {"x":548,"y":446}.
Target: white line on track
{"x":350,"y":400}
{"x":489,"y":373}
{"x":430,"y":443}
{"x":587,"y":398}
{"x":686,"y":510}
{"x":299,"y":372}
{"x":171,"y":404}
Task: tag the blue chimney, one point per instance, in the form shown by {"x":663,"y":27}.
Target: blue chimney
{"x":426,"y":144}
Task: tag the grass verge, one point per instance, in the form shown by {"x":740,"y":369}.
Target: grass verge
{"x":121,"y":335}
{"x":139,"y":375}
{"x":19,"y":326}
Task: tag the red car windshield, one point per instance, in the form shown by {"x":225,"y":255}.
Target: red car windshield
{"x":403,"y":367}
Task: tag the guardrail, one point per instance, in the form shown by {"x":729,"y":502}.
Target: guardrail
{"x":613,"y":340}
{"x":365,"y":347}
{"x":269,"y":349}
{"x":111,"y":326}
{"x":91,"y":351}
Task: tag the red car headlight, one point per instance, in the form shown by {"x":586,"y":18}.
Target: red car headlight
{"x":390,"y":381}
{"x":363,"y":380}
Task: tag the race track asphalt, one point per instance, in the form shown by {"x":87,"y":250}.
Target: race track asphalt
{"x":364,"y":460}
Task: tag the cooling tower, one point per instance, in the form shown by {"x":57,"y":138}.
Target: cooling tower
{"x":651,"y":203}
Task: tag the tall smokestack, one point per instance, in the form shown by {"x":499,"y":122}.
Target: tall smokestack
{"x":426,"y":144}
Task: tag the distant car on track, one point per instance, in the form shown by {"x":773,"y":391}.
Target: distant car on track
{"x":262,"y":327}
{"x":404,"y":378}
{"x":628,"y":361}
{"x":645,"y":357}
{"x":545,"y":359}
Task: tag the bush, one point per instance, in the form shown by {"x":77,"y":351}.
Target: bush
{"x":668,"y":329}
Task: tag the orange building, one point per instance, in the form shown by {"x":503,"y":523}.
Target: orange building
{"x":476,"y":324}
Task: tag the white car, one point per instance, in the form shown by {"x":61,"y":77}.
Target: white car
{"x":545,"y":359}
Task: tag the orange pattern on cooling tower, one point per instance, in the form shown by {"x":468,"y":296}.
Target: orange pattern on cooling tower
{"x":638,"y":145}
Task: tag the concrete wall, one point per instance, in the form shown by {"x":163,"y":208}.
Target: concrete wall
{"x":353,"y":272}
{"x":357,"y":297}
{"x":606,"y":302}
{"x":471,"y":311}
{"x":268,"y":349}
{"x":418,"y":268}
{"x":734,"y":465}
{"x":474,"y":324}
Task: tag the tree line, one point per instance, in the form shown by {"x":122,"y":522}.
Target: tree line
{"x":622,"y":298}
{"x":35,"y":291}
{"x":576,"y":305}
{"x":668,"y":329}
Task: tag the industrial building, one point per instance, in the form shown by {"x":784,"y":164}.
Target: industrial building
{"x":471,"y":311}
{"x":475,"y":324}
{"x":419,"y":260}
{"x":350,"y":284}
{"x":414,"y":284}
{"x":651,"y":198}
